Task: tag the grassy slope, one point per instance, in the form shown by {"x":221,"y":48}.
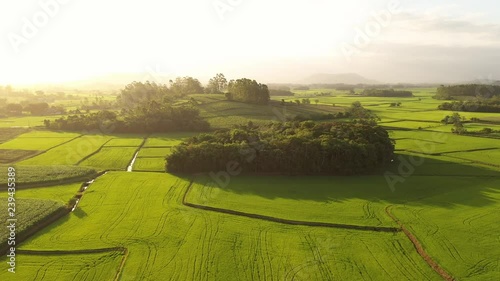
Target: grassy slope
{"x":223,"y":114}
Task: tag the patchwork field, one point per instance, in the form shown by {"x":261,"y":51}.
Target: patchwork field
{"x":208,"y":245}
{"x":111,"y":158}
{"x":47,"y":173}
{"x":70,"y":153}
{"x":150,"y":225}
{"x":28,"y":213}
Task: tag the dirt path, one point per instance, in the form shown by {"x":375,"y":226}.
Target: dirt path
{"x":420,"y":250}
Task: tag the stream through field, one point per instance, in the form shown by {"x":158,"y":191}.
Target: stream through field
{"x":131,"y":165}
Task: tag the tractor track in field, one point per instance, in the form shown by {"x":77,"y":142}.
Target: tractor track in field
{"x":420,"y":250}
{"x":285,"y":221}
{"x":124,"y":251}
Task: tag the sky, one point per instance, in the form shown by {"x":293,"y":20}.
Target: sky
{"x":55,"y":41}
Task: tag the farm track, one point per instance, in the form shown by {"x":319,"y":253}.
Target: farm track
{"x":420,"y":250}
{"x":124,"y":251}
{"x":286,"y":221}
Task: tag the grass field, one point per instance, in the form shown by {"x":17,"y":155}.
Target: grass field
{"x":444,"y":190}
{"x":167,"y":140}
{"x":212,"y":246}
{"x":28,"y":213}
{"x":111,"y":158}
{"x":154,"y":152}
{"x":55,"y":266}
{"x":47,"y":173}
{"x":8,"y":156}
{"x":69,"y":153}
{"x":10,"y":133}
{"x":156,"y":164}
{"x":221,"y":113}
{"x":132,"y":141}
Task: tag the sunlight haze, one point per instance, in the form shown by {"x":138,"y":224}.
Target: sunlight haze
{"x":275,"y":41}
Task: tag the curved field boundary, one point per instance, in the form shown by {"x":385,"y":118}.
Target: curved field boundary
{"x":420,"y":250}
{"x":56,"y":146}
{"x":93,"y":153}
{"x":285,"y":221}
{"x":40,"y":152}
{"x":122,"y":250}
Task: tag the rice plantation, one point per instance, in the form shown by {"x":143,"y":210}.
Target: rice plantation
{"x":440,"y":204}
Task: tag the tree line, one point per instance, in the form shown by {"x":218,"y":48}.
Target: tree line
{"x":491,"y":105}
{"x":144,"y":108}
{"x":469,"y":90}
{"x":36,"y":108}
{"x":386,"y":93}
{"x":289,"y":148}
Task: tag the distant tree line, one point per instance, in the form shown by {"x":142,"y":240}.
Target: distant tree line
{"x":279,"y":92}
{"x":470,"y":90}
{"x":386,"y":93}
{"x":145,"y":108}
{"x":35,"y":109}
{"x":156,"y":118}
{"x":491,"y":105}
{"x":290,"y":148}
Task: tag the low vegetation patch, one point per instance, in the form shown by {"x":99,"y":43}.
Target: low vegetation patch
{"x":10,"y":133}
{"x":44,"y":174}
{"x":28,"y":213}
{"x":13,"y":155}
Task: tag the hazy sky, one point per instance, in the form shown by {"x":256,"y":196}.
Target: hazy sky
{"x":269,"y":40}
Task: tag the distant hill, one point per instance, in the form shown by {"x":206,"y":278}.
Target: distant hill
{"x":339,"y":78}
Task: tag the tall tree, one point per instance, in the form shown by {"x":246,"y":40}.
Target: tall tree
{"x":139,"y":94}
{"x":183,"y":86}
{"x":217,"y":84}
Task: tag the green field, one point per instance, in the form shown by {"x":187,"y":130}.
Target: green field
{"x":111,"y":158}
{"x":66,"y":266}
{"x":28,"y":213}
{"x":47,"y":173}
{"x":207,"y":245}
{"x":154,"y":152}
{"x":131,"y":141}
{"x":444,"y":188}
{"x":167,"y":140}
{"x":70,"y":153}
{"x":156,"y":164}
